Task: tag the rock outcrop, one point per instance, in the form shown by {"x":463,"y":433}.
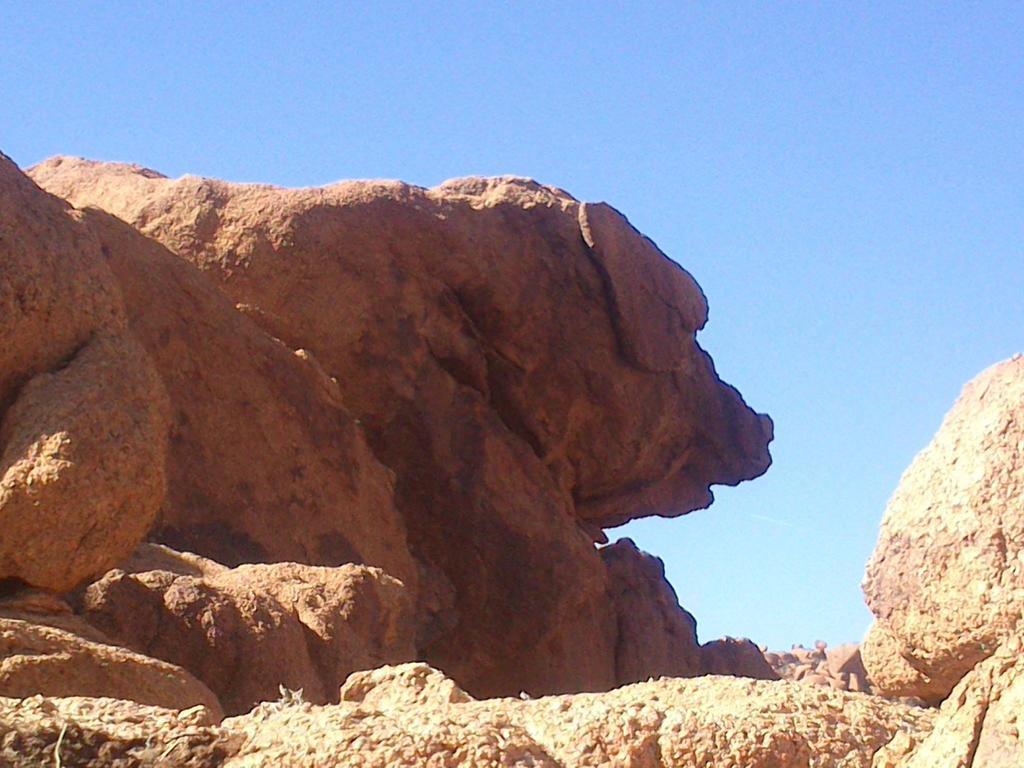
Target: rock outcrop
{"x":840,"y":667}
{"x":679,"y":723}
{"x":655,"y":636}
{"x":981,"y":723}
{"x":63,"y":656}
{"x":946,"y":581}
{"x":260,"y":440}
{"x":735,"y":656}
{"x":414,"y":716}
{"x":525,"y":363}
{"x":246,"y":631}
{"x":80,"y":732}
{"x":83,"y":417}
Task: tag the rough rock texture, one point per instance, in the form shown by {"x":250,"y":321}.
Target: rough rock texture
{"x":736,"y":656}
{"x":980,"y":725}
{"x":840,"y":667}
{"x":246,"y":631}
{"x":414,"y":716}
{"x":947,"y":577}
{"x":72,"y":659}
{"x":656,"y":637}
{"x":886,"y":657}
{"x":524,"y":362}
{"x":82,"y":414}
{"x":78,"y":732}
{"x":259,"y":435}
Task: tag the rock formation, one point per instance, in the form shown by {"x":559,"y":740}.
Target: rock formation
{"x":414,"y":716}
{"x":394,"y":422}
{"x":946,"y":581}
{"x":60,"y":655}
{"x":82,"y":414}
{"x":246,"y":631}
{"x":840,"y":667}
{"x":656,"y":637}
{"x":981,"y":723}
{"x":524,"y":363}
{"x":259,"y":435}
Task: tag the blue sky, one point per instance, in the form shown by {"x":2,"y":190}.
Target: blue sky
{"x":844,"y":180}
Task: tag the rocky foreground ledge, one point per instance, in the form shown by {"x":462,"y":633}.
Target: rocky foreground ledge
{"x":412,"y":715}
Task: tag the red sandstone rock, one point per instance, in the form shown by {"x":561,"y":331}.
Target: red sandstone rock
{"x":261,"y":444}
{"x":66,"y":657}
{"x":655,"y":636}
{"x":82,"y":414}
{"x":246,"y":631}
{"x":735,"y":656}
{"x":525,"y":364}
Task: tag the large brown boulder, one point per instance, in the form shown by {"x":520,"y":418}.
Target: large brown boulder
{"x":247,"y":631}
{"x":260,"y":439}
{"x":526,"y":364}
{"x":412,"y":716}
{"x":83,"y":416}
{"x":946,"y":581}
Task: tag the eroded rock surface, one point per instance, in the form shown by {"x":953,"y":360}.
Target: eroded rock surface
{"x":525,"y":363}
{"x":947,"y":577}
{"x":980,"y":724}
{"x":840,"y":667}
{"x":407,"y":716}
{"x":81,"y":732}
{"x":63,"y":656}
{"x":83,"y":416}
{"x":655,"y":636}
{"x":246,"y":631}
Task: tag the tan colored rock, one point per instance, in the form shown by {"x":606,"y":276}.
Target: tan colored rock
{"x":839,"y":667}
{"x":711,"y":721}
{"x":246,"y":631}
{"x":72,"y":659}
{"x":260,"y":439}
{"x":79,"y":732}
{"x":947,"y":575}
{"x":981,"y":723}
{"x":526,"y":364}
{"x":884,"y":655}
{"x":735,"y":656}
{"x":655,"y":636}
{"x":845,"y":660}
{"x":83,"y":421}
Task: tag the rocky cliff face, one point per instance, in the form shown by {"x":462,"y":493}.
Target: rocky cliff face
{"x":524,"y":363}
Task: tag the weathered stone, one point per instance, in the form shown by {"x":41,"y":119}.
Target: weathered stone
{"x":735,"y":656}
{"x":710,"y":721}
{"x":947,"y":575}
{"x":260,"y":439}
{"x":83,"y":417}
{"x":79,"y":732}
{"x":655,"y":636}
{"x":63,"y":656}
{"x":981,"y":723}
{"x":526,"y":364}
{"x":246,"y":631}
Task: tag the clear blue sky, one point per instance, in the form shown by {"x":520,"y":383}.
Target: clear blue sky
{"x":845,"y":180}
